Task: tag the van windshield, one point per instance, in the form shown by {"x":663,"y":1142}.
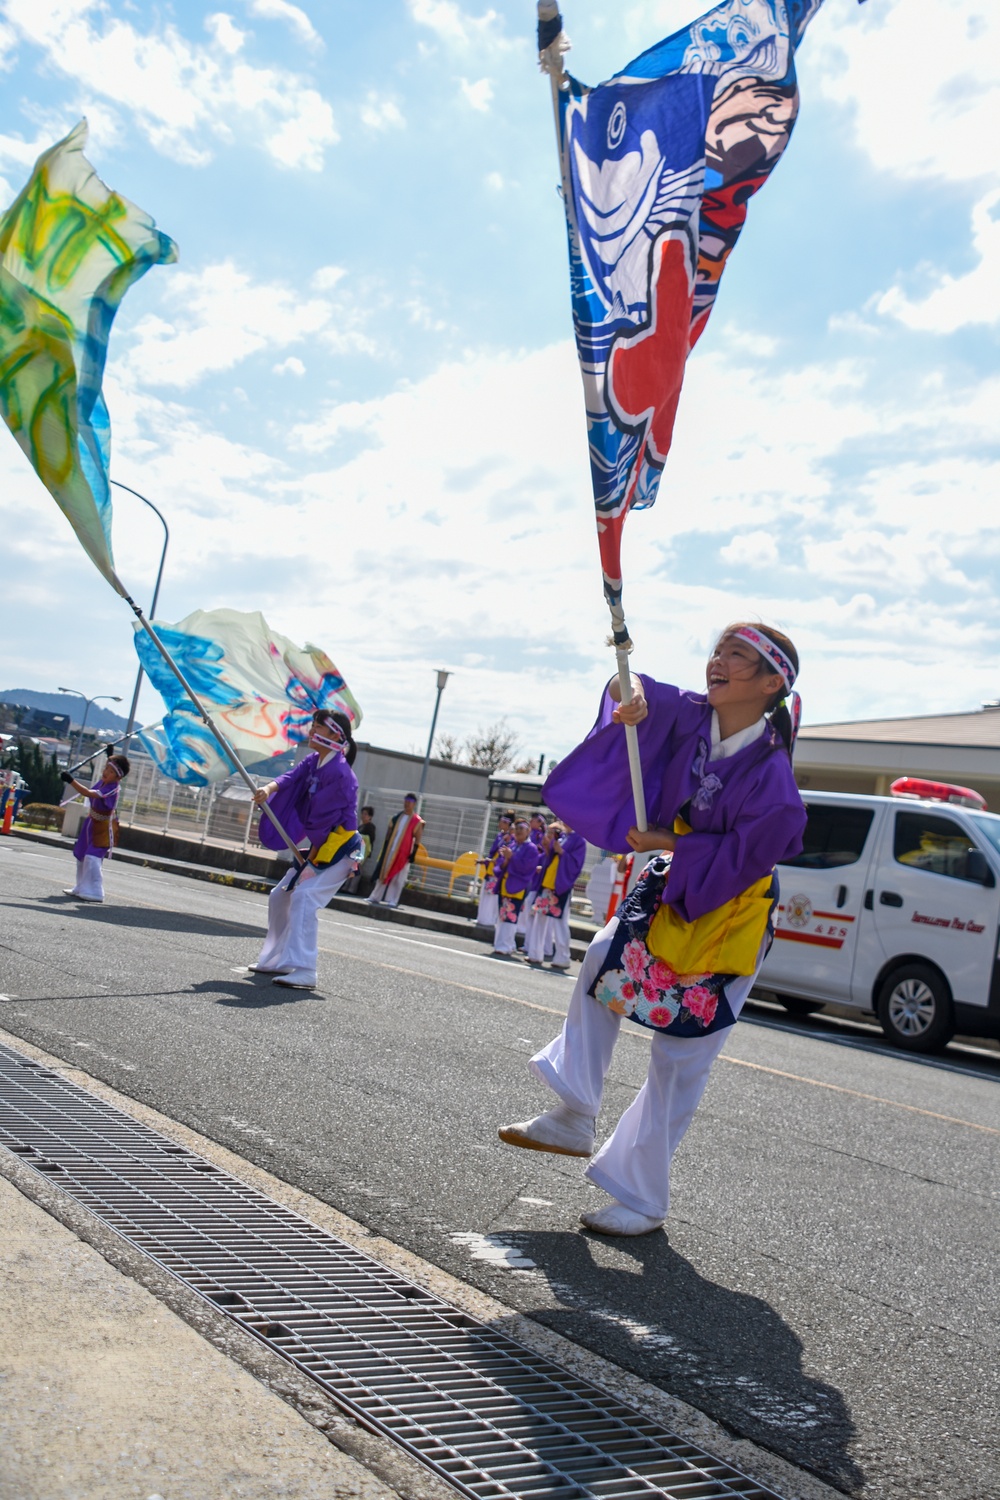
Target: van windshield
{"x":989,"y":827}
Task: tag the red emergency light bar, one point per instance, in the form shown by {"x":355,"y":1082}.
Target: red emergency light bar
{"x":937,"y":791}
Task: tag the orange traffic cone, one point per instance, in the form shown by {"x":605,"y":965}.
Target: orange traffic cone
{"x":8,"y":815}
{"x":620,"y":885}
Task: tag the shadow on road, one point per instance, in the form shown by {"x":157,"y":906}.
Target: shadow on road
{"x":158,"y":919}
{"x":726,"y":1352}
{"x":254,"y":994}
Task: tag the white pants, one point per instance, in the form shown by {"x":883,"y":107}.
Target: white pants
{"x":292,"y":940}
{"x":503,"y":937}
{"x":486,"y":916}
{"x":89,"y":881}
{"x":634,"y":1164}
{"x":546,"y":933}
{"x":524,"y":920}
{"x":390,"y":893}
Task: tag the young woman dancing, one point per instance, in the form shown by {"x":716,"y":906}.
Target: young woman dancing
{"x":682,"y":952}
{"x":317,"y":799}
{"x":96,"y":839}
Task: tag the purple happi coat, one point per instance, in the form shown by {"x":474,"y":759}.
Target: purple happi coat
{"x":745,"y":816}
{"x":312,"y":800}
{"x":571,"y":854}
{"x":519,"y":869}
{"x":104,"y":807}
{"x":745,"y":811}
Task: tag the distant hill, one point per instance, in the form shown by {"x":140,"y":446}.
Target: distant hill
{"x":100,"y":716}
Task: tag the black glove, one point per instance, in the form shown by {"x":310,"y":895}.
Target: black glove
{"x":65,"y":776}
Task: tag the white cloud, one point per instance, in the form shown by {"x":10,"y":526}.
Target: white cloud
{"x":747,"y":341}
{"x":922,"y":81}
{"x":223,"y":30}
{"x":751,"y":549}
{"x":859,"y":515}
{"x":181,"y":95}
{"x":290,"y":366}
{"x":381,"y":114}
{"x":456,"y":28}
{"x":478,"y":94}
{"x":296,"y":18}
{"x":299,"y":142}
{"x":495,"y":182}
{"x":958,"y":301}
{"x":222,"y":317}
{"x":326,"y":278}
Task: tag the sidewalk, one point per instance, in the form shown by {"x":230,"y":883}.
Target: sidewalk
{"x":108,"y":1395}
{"x":446,"y":923}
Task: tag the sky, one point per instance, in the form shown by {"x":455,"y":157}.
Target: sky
{"x":356,"y":400}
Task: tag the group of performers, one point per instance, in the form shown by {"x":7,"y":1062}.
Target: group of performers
{"x":679,"y":956}
{"x":528,"y":880}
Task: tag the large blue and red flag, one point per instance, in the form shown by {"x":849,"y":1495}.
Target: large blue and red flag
{"x":659,"y":164}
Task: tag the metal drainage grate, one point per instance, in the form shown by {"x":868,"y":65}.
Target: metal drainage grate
{"x":483,"y":1411}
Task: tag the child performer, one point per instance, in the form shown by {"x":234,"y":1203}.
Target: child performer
{"x":681,"y":954}
{"x":317,"y":799}
{"x":562,"y":861}
{"x":96,"y":838}
{"x":486,"y":916}
{"x":398,"y":853}
{"x":516,"y":866}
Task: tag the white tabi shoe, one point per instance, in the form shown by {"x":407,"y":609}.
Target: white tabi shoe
{"x":562,"y":1131}
{"x":296,"y":979}
{"x":74,"y":894}
{"x":615,"y":1218}
{"x":267,"y":969}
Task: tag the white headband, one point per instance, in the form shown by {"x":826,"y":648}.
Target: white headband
{"x":780,"y":661}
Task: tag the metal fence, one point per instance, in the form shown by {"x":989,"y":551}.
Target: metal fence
{"x":224,"y":814}
{"x":220,"y":814}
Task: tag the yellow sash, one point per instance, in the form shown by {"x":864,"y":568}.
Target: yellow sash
{"x":327,"y":852}
{"x":724,"y":941}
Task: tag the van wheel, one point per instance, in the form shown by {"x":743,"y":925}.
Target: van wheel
{"x":914,"y":1009}
{"x":797,"y":1007}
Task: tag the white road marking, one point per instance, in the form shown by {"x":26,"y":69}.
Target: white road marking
{"x":491,"y":1248}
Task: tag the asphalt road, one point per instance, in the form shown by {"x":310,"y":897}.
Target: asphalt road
{"x":828,"y":1283}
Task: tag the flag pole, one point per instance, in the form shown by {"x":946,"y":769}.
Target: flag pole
{"x":223,"y":743}
{"x":104,"y":749}
{"x":553,"y":44}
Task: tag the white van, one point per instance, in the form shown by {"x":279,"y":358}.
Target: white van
{"x":893,"y":906}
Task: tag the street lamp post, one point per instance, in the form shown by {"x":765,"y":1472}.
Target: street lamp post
{"x":442,"y":678}
{"x":112,"y":697}
{"x":152,"y":608}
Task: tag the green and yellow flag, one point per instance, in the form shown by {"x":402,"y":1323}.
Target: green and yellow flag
{"x":69,"y":251}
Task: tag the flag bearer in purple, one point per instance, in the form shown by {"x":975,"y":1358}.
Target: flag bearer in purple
{"x":518,"y":866}
{"x":560,"y":867}
{"x":486,"y":916}
{"x":318,"y":800}
{"x":96,"y":838}
{"x":682,"y":952}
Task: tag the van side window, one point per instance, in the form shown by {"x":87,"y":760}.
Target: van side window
{"x":834,"y":836}
{"x":927,"y":842}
